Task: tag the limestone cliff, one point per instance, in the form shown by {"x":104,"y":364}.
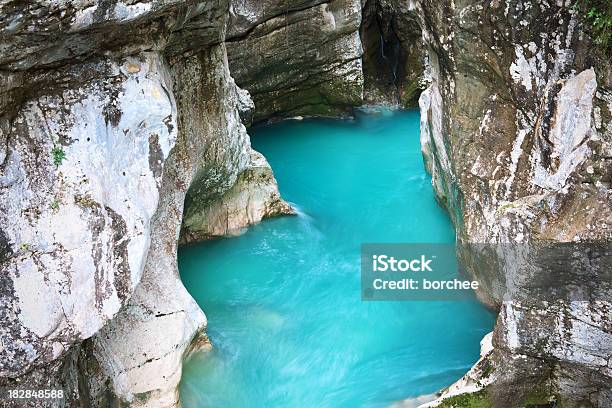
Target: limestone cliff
{"x":141,"y":351}
{"x":110,"y":112}
{"x":516,"y":132}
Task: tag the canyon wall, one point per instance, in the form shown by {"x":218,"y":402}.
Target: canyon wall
{"x":109,"y":114}
{"x":516,"y":132}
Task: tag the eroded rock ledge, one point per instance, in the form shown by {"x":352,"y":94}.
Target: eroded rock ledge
{"x":253,"y":197}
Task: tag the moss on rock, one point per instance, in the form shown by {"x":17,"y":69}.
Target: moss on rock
{"x":472,"y":400}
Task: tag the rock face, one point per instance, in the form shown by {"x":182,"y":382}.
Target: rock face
{"x":516,"y":131}
{"x":76,"y":252}
{"x":212,"y":212}
{"x":297,"y":58}
{"x":322,"y":58}
{"x":253,"y":197}
{"x":104,"y":127}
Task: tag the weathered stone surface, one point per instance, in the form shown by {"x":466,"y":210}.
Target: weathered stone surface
{"x":97,"y":157}
{"x":77,"y":250}
{"x":252,"y":198}
{"x":43,"y":43}
{"x":211,"y":211}
{"x":42,"y":34}
{"x":246,"y":106}
{"x":297,"y":59}
{"x":516,"y":132}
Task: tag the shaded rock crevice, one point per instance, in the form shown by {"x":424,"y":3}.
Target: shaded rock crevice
{"x":392,"y":53}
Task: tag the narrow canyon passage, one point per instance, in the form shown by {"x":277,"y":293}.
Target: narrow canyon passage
{"x":283,"y":300}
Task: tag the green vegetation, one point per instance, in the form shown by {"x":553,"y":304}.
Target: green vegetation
{"x":25,"y":246}
{"x":58,"y":154}
{"x":472,"y":400}
{"x":55,"y":204}
{"x":504,"y":207}
{"x":488,"y":369}
{"x":85,"y":201}
{"x":598,"y":15}
{"x":540,"y":396}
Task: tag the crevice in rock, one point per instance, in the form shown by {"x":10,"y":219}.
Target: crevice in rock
{"x":392,"y":54}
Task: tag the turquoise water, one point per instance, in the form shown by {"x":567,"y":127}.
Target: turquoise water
{"x":283,"y":300}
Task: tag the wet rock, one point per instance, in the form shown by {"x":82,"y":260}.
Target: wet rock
{"x":392,"y":53}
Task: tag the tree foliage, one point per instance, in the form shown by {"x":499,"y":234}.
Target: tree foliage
{"x":598,"y":15}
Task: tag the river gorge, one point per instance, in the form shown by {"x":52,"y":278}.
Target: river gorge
{"x":159,"y":159}
{"x":283,"y":303}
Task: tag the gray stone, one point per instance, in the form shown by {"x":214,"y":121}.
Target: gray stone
{"x":253,"y":197}
{"x":80,"y":186}
{"x":297,"y":59}
{"x":512,"y":134}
